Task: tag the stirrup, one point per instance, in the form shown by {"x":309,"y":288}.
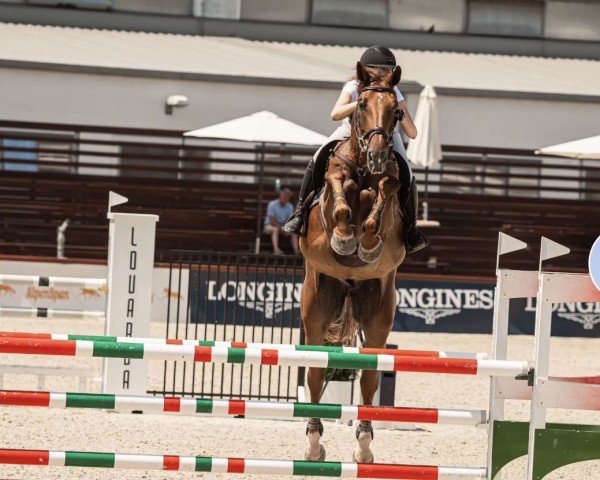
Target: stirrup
{"x":421,"y":243}
{"x":294,"y":225}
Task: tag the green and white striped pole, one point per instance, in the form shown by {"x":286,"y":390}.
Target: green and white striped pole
{"x":237,"y":465}
{"x":292,"y":358}
{"x":192,"y":406}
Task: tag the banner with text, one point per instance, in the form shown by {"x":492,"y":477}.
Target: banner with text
{"x":421,"y":306}
{"x":128,"y":311}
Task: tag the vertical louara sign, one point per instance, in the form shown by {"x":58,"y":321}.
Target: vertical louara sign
{"x":128,"y":310}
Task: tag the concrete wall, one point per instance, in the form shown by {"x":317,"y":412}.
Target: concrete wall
{"x":573,"y":20}
{"x":111,"y":100}
{"x":172,"y":7}
{"x":550,"y":19}
{"x":448,"y":16}
{"x":220,"y":19}
{"x":80,"y":98}
{"x":293,"y":11}
{"x":515,"y":123}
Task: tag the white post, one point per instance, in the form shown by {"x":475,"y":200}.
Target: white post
{"x":541,"y":355}
{"x":502,"y":295}
{"x":129,"y":299}
{"x":541,"y":347}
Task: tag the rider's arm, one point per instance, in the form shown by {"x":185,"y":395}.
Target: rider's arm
{"x":343,"y":108}
{"x":407,"y":122}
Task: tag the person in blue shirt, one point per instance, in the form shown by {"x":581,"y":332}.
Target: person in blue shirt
{"x":278,"y":212}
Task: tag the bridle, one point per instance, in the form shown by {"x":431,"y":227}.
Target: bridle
{"x":364,"y":138}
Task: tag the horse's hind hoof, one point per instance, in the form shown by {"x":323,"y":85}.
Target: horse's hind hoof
{"x":370,"y":256}
{"x":343,"y":245}
{"x":320,"y":458}
{"x":365,"y":457}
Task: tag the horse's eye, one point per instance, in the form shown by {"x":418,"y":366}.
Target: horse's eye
{"x":362,"y":106}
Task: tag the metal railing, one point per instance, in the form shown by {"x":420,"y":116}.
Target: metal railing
{"x":233,"y":297}
{"x":70,"y":150}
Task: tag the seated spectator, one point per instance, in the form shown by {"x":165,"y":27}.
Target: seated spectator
{"x":278,"y":212}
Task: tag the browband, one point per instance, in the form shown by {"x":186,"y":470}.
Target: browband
{"x":377,"y":89}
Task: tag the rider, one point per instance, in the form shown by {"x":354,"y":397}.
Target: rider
{"x":380,"y":58}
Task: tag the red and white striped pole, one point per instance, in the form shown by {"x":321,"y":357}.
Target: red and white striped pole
{"x":193,"y":406}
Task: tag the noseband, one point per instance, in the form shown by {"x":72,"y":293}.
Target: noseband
{"x":364,"y":138}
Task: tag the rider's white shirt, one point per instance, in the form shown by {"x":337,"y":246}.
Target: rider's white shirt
{"x":351,"y":87}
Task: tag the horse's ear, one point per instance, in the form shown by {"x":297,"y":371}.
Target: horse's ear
{"x":362,"y":74}
{"x":395,"y":76}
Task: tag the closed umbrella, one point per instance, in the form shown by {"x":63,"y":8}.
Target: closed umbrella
{"x":426,"y":149}
{"x":261,"y":127}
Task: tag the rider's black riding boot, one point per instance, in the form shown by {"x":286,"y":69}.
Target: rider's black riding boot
{"x":296,"y":224}
{"x":414,"y":240}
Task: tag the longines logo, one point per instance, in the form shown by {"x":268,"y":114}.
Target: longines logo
{"x":270,"y":298}
{"x":428,"y":304}
{"x":431,"y":304}
{"x":585,"y":313}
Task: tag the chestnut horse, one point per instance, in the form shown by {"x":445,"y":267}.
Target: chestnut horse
{"x":354,"y":246}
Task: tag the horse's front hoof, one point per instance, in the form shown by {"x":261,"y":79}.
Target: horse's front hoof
{"x":320,"y":456}
{"x":372,"y":255}
{"x":360,"y":456}
{"x":343,"y":245}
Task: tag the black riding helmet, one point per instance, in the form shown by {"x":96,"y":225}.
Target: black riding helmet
{"x":378,"y":56}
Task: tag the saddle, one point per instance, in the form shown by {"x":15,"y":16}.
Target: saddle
{"x":321,"y":165}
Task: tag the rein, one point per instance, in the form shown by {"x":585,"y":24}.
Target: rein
{"x":360,"y":170}
{"x":364,"y":138}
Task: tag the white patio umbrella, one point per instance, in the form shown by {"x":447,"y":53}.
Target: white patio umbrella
{"x":426,"y":149}
{"x":261,"y":127}
{"x":585,"y":148}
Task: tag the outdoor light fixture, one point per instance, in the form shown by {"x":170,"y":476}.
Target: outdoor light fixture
{"x":175,"y":101}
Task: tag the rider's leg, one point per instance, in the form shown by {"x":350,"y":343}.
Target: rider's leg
{"x":296,"y":222}
{"x":414,"y":240}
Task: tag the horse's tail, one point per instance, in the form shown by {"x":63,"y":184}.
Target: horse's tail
{"x":344,"y":328}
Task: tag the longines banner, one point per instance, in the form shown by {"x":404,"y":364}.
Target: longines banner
{"x":421,"y":306}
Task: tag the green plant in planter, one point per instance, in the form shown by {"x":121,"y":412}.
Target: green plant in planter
{"x":339,"y":374}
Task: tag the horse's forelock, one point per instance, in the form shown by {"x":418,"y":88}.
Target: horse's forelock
{"x":377,"y":78}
